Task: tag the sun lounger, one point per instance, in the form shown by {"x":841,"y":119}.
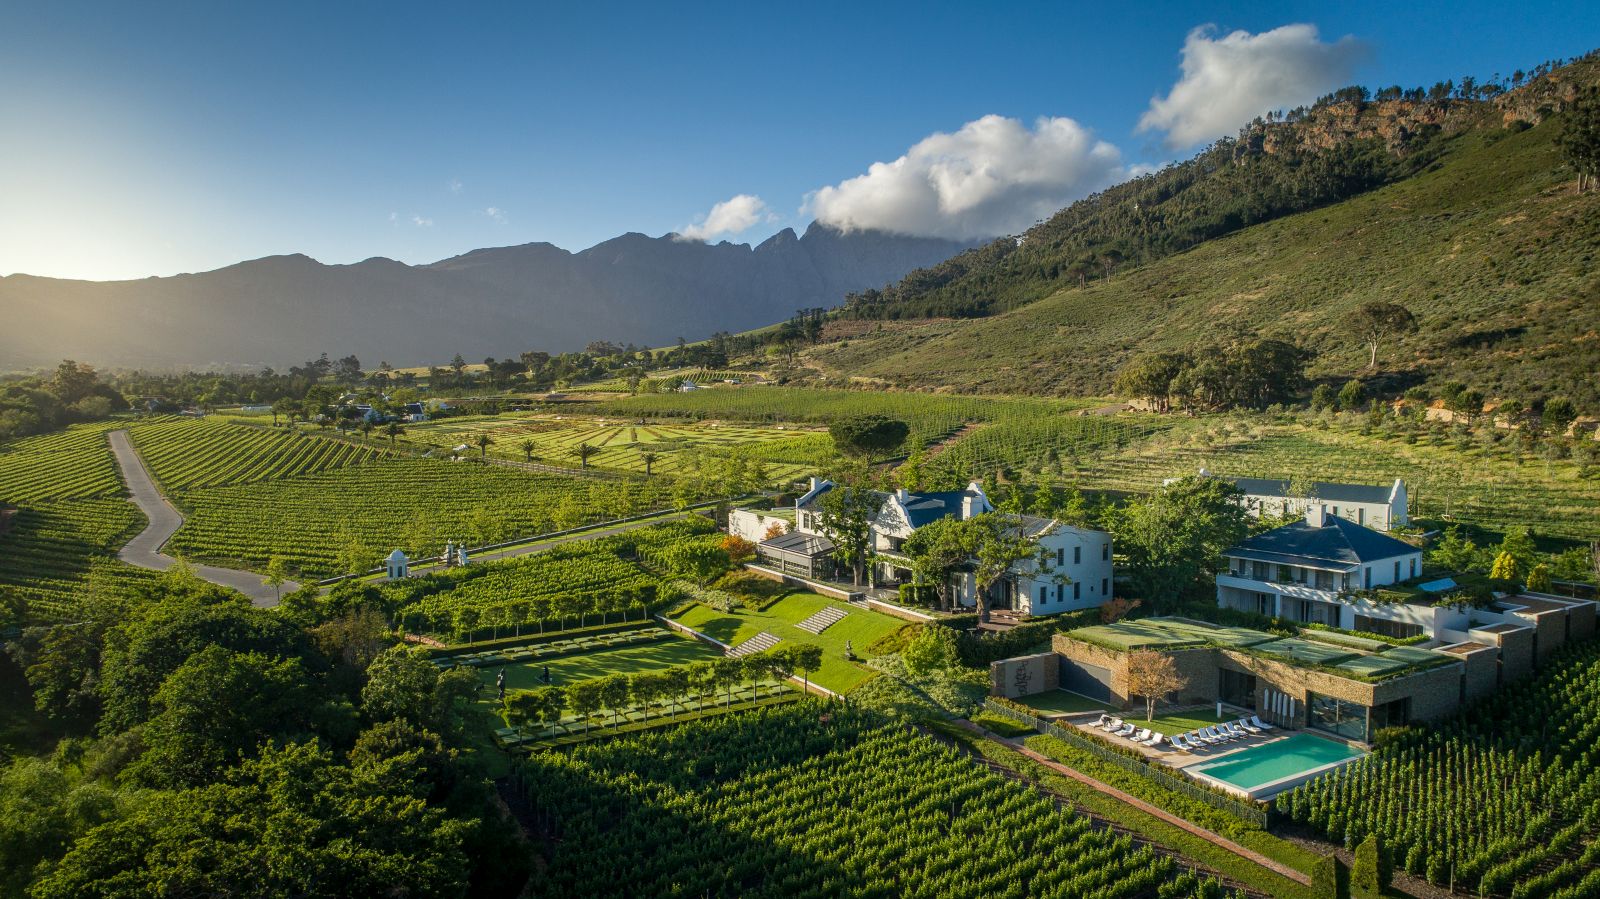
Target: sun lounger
{"x":1124,"y":731}
{"x":1249,"y":728}
{"x":1140,"y":735}
{"x":1111,"y":725}
{"x":1179,"y":743}
{"x":1153,"y":740}
{"x":1104,"y":719}
{"x":1256,"y":720}
{"x":1217,"y":735}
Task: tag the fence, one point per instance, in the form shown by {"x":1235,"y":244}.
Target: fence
{"x":1244,"y":811}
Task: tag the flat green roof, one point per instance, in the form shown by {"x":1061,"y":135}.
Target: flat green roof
{"x":1359,"y":657}
{"x":1306,"y":651}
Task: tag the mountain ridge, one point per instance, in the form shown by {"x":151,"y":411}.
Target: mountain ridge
{"x":496,"y":301}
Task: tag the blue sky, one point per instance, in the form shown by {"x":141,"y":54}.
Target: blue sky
{"x":155,"y":138}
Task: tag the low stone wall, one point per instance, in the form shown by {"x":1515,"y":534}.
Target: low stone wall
{"x":901,"y":612}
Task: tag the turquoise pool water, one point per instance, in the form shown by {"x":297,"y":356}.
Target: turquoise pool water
{"x":1250,"y":768}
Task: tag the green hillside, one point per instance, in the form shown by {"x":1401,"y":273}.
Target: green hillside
{"x":1492,"y":250}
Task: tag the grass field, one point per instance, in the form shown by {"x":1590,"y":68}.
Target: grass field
{"x":1061,"y":702}
{"x":860,"y":628}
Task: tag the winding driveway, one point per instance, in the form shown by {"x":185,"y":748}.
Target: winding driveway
{"x":144,"y":550}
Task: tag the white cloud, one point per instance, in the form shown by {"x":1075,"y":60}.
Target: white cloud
{"x":731,"y":216}
{"x":394,"y":217}
{"x":994,"y":176}
{"x":1230,"y":80}
{"x":454,"y":185}
{"x":496,"y":214}
{"x":421,"y":221}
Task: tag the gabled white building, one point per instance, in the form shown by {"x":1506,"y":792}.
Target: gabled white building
{"x":1077,"y":573}
{"x":1382,"y":508}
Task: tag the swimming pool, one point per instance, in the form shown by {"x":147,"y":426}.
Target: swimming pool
{"x":1271,"y":768}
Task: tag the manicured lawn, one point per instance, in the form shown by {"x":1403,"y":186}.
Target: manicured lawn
{"x":860,"y":627}
{"x":624,"y":660}
{"x":1180,"y":722}
{"x":1062,"y":702}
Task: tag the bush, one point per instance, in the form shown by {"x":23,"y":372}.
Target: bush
{"x":1372,"y":872}
{"x":932,"y":649}
{"x":1330,"y":879}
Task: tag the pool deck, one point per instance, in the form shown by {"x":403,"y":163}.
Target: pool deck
{"x":1270,"y":788}
{"x":1188,"y":762}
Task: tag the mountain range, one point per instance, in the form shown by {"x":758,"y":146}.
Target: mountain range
{"x":489,"y":302}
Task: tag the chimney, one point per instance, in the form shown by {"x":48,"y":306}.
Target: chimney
{"x":902,"y":495}
{"x":967,"y":502}
{"x":1317,"y":515}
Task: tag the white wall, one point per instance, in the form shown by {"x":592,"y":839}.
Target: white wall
{"x":751,"y":525}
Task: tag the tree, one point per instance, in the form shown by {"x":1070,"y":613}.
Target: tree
{"x":649,"y":459}
{"x":218,"y":707}
{"x":1003,"y":542}
{"x":1173,"y":539}
{"x":1375,"y":321}
{"x":675,"y":684}
{"x":484,"y":441}
{"x":393,"y":430}
{"x":585,"y":697}
{"x":933,"y":648}
{"x":527,"y":447}
{"x":42,"y":812}
{"x":807,"y":658}
{"x":1519,"y":545}
{"x":937,"y":550}
{"x":1505,"y":568}
{"x":1153,"y":675}
{"x":1579,"y":140}
{"x":1352,"y":396}
{"x":584,"y":452}
{"x":727,"y":672}
{"x":523,"y":707}
{"x":293,"y":822}
{"x":758,"y":667}
{"x":647,"y":687}
{"x":1558,"y":415}
{"x":694,"y":559}
{"x":1324,"y":397}
{"x":614,"y":693}
{"x":1150,"y":376}
{"x":402,"y":683}
{"x":1539,"y":579}
{"x":866,"y":436}
{"x":277,"y":576}
{"x":845,"y":515}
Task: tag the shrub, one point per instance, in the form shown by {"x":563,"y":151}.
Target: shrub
{"x":1330,"y":879}
{"x":1372,"y":871}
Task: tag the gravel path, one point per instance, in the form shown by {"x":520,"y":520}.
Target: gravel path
{"x":144,"y":550}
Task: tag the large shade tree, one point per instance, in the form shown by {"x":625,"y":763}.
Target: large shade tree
{"x":1376,"y":321}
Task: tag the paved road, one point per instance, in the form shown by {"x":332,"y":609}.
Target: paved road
{"x":144,"y":550}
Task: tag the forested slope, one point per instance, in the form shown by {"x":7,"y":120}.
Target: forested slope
{"x":1490,"y":247}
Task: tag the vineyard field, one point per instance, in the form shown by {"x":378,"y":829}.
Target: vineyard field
{"x":620,"y":445}
{"x":809,"y":800}
{"x":1501,"y":800}
{"x":184,"y":453}
{"x":1444,"y":481}
{"x":59,"y":555}
{"x":315,"y":521}
{"x":72,"y":464}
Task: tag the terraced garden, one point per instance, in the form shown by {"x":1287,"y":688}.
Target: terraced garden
{"x":860,"y":628}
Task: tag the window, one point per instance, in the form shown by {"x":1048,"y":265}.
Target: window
{"x":1361,"y":516}
{"x":1397,"y":570}
{"x":1366,"y":578}
{"x":1413,"y":567}
{"x":1105,"y":552}
{"x":1044,"y":595}
{"x":1336,"y":716}
{"x":1060,"y":592}
{"x":1077,"y":555}
{"x":1061,"y":555}
{"x":1324,"y":580}
{"x":1105,"y":587}
{"x":1077,"y":590}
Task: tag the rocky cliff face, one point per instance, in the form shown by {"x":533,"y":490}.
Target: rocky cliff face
{"x":499,"y":302}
